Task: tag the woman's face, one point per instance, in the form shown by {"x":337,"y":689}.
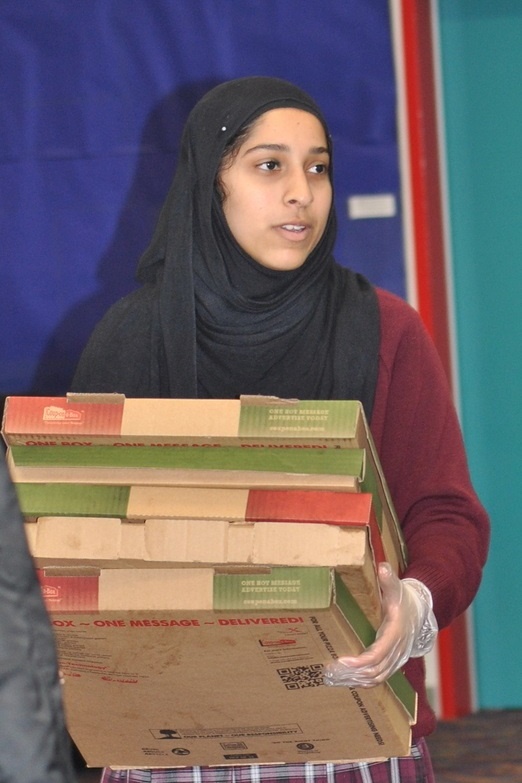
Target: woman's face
{"x":277,"y":188}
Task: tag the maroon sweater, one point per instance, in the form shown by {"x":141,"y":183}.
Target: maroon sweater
{"x":419,"y":441}
{"x":417,"y":435}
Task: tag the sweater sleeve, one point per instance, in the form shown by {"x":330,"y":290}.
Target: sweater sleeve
{"x":418,"y":437}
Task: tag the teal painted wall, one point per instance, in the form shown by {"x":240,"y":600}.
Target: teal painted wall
{"x":481,"y":53}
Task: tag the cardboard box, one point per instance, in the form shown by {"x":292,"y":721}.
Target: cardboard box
{"x":339,"y":531}
{"x":234,"y":676}
{"x":252,"y":422}
{"x":224,"y":466}
{"x":151,"y":500}
{"x":111,"y":419}
{"x":140,"y":502}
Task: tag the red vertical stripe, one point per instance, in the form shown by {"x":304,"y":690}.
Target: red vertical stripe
{"x":428,"y":229}
{"x":425,"y":174}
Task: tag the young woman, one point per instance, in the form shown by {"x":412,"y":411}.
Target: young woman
{"x":240,"y":294}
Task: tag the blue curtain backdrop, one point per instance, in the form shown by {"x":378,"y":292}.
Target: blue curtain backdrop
{"x":94,"y":96}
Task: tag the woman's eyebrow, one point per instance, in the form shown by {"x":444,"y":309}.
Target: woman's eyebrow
{"x":285,"y":148}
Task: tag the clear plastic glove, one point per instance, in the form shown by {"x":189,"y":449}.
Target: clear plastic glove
{"x":408,"y":630}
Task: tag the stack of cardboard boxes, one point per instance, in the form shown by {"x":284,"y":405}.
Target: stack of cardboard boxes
{"x":203,"y":560}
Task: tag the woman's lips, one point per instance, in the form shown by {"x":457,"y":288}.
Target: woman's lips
{"x":294,"y":231}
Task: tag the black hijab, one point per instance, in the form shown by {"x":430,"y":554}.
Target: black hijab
{"x":222,"y":324}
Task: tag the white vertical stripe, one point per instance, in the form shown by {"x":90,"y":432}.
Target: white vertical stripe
{"x":445,"y":197}
{"x":330,"y":773}
{"x":394,"y":770}
{"x":396,"y":12}
{"x":255,"y":775}
{"x":366,"y":776}
{"x":309,"y":772}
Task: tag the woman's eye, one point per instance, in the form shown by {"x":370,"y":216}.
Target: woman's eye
{"x":269,"y":165}
{"x":319,"y":168}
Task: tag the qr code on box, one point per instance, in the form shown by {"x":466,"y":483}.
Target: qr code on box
{"x":296,"y":677}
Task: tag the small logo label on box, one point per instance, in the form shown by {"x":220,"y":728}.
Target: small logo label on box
{"x":50,"y":592}
{"x":55,"y":413}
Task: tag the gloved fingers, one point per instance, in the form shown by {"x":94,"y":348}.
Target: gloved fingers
{"x":337,"y":673}
{"x":390,"y":584}
{"x":389,"y":651}
{"x":402,"y":631}
{"x":370,"y":668}
{"x":386,"y":645}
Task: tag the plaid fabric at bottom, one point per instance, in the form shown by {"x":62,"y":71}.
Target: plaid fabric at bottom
{"x":416,"y":768}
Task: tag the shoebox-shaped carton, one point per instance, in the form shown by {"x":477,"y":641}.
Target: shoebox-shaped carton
{"x":283,"y":528}
{"x":212,"y":666}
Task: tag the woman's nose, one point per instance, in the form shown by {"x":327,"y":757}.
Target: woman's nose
{"x":298,"y":189}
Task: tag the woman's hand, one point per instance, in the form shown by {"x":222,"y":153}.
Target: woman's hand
{"x":408,"y":630}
